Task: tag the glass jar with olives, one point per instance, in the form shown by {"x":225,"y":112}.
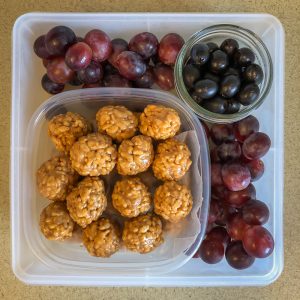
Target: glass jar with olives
{"x":223,"y":73}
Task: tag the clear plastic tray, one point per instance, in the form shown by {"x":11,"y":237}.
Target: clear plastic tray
{"x":27,"y":95}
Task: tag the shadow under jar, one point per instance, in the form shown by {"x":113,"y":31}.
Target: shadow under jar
{"x":217,"y":34}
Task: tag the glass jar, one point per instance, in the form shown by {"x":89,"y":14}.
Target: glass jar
{"x":217,"y":34}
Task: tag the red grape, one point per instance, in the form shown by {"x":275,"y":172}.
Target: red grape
{"x":226,"y":213}
{"x":93,"y":73}
{"x":245,"y":127}
{"x":116,"y":80}
{"x":58,"y":71}
{"x":145,"y":44}
{"x":256,"y":145}
{"x":237,"y":257}
{"x":229,"y":151}
{"x":147,"y":79}
{"x":258,"y":242}
{"x":50,"y":86}
{"x":219,"y":192}
{"x":219,"y":233}
{"x":221,"y":133}
{"x":256,"y":168}
{"x":118,"y":46}
{"x":40,"y":49}
{"x":236,"y":226}
{"x":211,"y":251}
{"x":46,"y":62}
{"x":214,"y":157}
{"x":109,"y":69}
{"x":216,"y":176}
{"x":214,"y":211}
{"x":78,"y":56}
{"x":59,"y":39}
{"x":164,"y":77}
{"x":169,"y":48}
{"x":236,"y":177}
{"x":239,"y":198}
{"x":255,"y":212}
{"x":75,"y":81}
{"x":130,"y":65}
{"x":100,"y":44}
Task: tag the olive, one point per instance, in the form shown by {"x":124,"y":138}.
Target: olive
{"x":253,"y":73}
{"x":232,"y":71}
{"x":206,"y":88}
{"x":200,"y":54}
{"x":190,"y":75}
{"x":248,"y":94}
{"x":196,"y":98}
{"x":216,"y":105}
{"x":233,"y":106}
{"x":244,"y":57}
{"x":219,"y":61}
{"x":212,"y":47}
{"x":229,"y":46}
{"x":230,"y":86}
{"x":212,"y":76}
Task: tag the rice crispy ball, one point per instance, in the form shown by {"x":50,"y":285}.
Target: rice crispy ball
{"x":87,"y":201}
{"x":65,"y":129}
{"x":55,"y":222}
{"x":159,"y":122}
{"x":172,"y":160}
{"x":93,"y":155}
{"x":130,"y":197}
{"x":143,"y":234}
{"x":117,"y":121}
{"x":173,"y":201}
{"x":55,"y":178}
{"x":102,"y":238}
{"x":135,"y":155}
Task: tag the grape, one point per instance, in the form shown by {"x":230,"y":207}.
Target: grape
{"x":256,"y":145}
{"x":237,"y":257}
{"x":118,"y":46}
{"x":219,"y":192}
{"x":243,"y":128}
{"x":75,"y":81}
{"x":59,"y":39}
{"x":236,"y":177}
{"x":225,"y":215}
{"x":169,"y":48}
{"x":256,"y":168}
{"x":214,"y":157}
{"x":40,"y":49}
{"x":58,"y":71}
{"x":214,"y":211}
{"x":216,"y":176}
{"x":145,"y":44}
{"x":219,"y":233}
{"x":100,"y":44}
{"x":116,"y":80}
{"x":255,"y":212}
{"x":236,"y":226}
{"x":211,"y":251}
{"x":130,"y":65}
{"x":147,"y":80}
{"x":164,"y":77}
{"x":229,"y":151}
{"x":93,"y":73}
{"x":46,"y":62}
{"x":78,"y":56}
{"x":109,"y":69}
{"x":240,"y":198}
{"x":221,"y":133}
{"x":258,"y":242}
{"x":50,"y":86}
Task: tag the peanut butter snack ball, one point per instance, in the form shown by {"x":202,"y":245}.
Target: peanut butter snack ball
{"x":87,"y":201}
{"x":93,"y":155}
{"x":159,"y":122}
{"x":172,"y":160}
{"x":135,"y":155}
{"x":65,"y":129}
{"x":173,"y":201}
{"x":55,"y":222}
{"x":143,"y":234}
{"x":117,"y":121}
{"x":130,"y":197}
{"x":55,"y":178}
{"x":102,"y":238}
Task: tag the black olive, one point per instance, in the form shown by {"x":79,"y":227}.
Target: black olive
{"x":200,"y":54}
{"x":244,"y":57}
{"x":212,"y":47}
{"x":206,"y":88}
{"x":248,"y":94}
{"x":196,"y":98}
{"x":190,"y":75}
{"x":232,"y":71}
{"x":216,"y":104}
{"x":212,"y":76}
{"x":219,"y":61}
{"x":253,"y":73}
{"x":233,"y":106}
{"x":230,"y":86}
{"x":229,"y":46}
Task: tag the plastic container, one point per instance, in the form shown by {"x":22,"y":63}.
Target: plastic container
{"x":217,"y":34}
{"x":27,"y":95}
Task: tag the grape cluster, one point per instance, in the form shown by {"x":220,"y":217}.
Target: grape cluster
{"x":236,"y":217}
{"x":96,"y":60}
